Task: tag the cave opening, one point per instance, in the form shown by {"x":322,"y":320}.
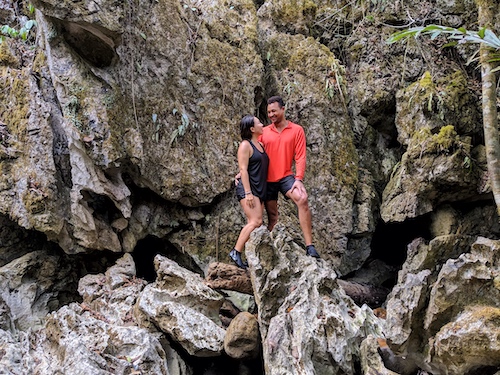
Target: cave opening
{"x":96,"y":45}
{"x":390,"y":240}
{"x":150,"y":246}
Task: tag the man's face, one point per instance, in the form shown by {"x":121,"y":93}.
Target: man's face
{"x":275,"y":113}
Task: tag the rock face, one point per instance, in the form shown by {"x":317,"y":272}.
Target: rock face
{"x":128,"y":111}
{"x":118,"y":134}
{"x":307,"y":322}
{"x":180,"y":305}
{"x":448,"y":308}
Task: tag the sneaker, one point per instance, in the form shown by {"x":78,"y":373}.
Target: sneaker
{"x":236,"y":257}
{"x":311,"y":251}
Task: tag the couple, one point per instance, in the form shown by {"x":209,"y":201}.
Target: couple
{"x":267,"y":154}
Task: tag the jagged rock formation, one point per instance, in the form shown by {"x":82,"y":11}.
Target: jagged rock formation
{"x":118,"y":134}
{"x":307,"y":322}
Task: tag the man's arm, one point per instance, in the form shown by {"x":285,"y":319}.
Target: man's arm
{"x":300,"y":154}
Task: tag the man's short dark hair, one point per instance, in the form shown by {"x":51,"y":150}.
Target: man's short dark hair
{"x":276,"y":99}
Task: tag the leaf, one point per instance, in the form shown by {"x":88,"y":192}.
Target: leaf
{"x":174,"y":111}
{"x":185,"y":120}
{"x":173,"y":136}
{"x":143,"y":36}
{"x":28,"y":25}
{"x":450,"y":44}
{"x":155,"y":117}
{"x":23,"y":33}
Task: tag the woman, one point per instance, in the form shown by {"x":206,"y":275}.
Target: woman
{"x":251,"y":189}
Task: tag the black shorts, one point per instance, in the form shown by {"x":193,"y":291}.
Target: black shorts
{"x":240,"y":190}
{"x":284,"y":185}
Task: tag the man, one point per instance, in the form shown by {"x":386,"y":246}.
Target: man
{"x":285,"y":142}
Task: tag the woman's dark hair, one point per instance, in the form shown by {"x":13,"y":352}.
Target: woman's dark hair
{"x":245,"y":124}
{"x":276,"y":99}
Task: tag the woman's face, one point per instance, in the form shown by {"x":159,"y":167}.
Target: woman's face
{"x":258,"y":128}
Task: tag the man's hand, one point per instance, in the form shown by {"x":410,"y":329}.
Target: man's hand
{"x":299,"y":185}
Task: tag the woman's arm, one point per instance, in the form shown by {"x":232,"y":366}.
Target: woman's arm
{"x":244,"y":154}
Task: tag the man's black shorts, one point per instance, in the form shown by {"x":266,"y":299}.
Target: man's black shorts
{"x":284,"y":185}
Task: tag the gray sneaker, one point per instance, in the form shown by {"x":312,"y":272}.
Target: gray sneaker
{"x":311,"y":251}
{"x":236,"y":257}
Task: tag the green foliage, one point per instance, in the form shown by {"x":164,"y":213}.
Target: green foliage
{"x":182,"y":128}
{"x":446,"y":141}
{"x":457,"y":36}
{"x":335,"y":82}
{"x":23,"y":32}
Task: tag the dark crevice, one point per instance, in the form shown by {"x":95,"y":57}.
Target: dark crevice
{"x":95,"y":45}
{"x":102,"y":206}
{"x":146,"y":250}
{"x":221,"y":365}
{"x":390,"y":240}
{"x":16,"y":241}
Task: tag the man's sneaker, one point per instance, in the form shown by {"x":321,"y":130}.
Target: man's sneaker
{"x":311,"y":251}
{"x":236,"y":257}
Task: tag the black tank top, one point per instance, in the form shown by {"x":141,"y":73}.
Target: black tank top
{"x":257,"y":172}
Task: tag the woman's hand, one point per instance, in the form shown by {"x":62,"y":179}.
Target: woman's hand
{"x":249,"y":199}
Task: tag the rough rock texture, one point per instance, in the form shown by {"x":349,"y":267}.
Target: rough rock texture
{"x":124,"y":90}
{"x":439,"y":162}
{"x":182,"y":306}
{"x":307,"y":322}
{"x":371,"y":362}
{"x":242,"y":340}
{"x":428,"y":305}
{"x":118,"y":134}
{"x":98,"y":336}
{"x":34,"y":285}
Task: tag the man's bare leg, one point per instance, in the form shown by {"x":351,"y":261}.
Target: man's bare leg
{"x":299,"y":196}
{"x":272,"y":214}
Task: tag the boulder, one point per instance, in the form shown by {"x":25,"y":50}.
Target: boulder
{"x":242,"y":340}
{"x":307,"y":322}
{"x":182,"y":306}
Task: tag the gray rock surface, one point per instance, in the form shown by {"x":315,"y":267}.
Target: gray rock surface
{"x":307,"y":322}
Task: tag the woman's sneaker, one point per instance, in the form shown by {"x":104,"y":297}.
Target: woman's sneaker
{"x":311,"y":251}
{"x":236,"y":257}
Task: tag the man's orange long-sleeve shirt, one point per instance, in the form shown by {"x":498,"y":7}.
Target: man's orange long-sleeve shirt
{"x":283,"y":148}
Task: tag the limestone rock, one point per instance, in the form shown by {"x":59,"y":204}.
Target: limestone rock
{"x":242,"y":340}
{"x":468,"y":342}
{"x":371,"y":362}
{"x":425,"y":178}
{"x":88,"y":343}
{"x":307,"y":322}
{"x":431,"y":104}
{"x":113,"y":295}
{"x":405,"y":302}
{"x":33,"y":285}
{"x":181,"y":305}
{"x":195,"y":332}
{"x":428,"y":305}
{"x":465,"y":281}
